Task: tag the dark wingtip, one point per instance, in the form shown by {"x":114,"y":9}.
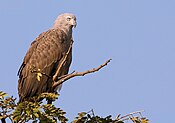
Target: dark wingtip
{"x":20,"y":69}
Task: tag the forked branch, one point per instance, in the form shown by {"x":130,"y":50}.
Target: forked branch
{"x":68,"y":76}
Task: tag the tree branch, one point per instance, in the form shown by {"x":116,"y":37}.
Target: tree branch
{"x":68,"y":76}
{"x":126,"y":117}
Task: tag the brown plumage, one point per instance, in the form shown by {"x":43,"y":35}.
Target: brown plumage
{"x":45,"y":53}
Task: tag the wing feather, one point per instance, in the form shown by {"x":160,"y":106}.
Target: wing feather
{"x":45,"y":54}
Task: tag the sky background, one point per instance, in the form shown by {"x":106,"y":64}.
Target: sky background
{"x":139,"y":35}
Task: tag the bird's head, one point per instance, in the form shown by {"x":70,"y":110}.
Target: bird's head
{"x":65,"y":21}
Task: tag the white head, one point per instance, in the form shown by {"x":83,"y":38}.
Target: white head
{"x":65,"y":22}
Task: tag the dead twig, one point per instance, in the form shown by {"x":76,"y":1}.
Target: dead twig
{"x":68,"y":76}
{"x":128,"y":116}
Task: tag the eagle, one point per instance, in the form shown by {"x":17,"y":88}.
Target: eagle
{"x":45,"y":55}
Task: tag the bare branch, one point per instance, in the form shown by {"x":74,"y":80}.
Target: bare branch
{"x":130,"y":114}
{"x":68,"y":76}
{"x":65,"y":75}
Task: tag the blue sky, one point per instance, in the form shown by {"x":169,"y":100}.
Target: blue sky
{"x":137,"y":34}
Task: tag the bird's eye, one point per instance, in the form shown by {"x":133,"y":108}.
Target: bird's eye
{"x":68,"y":19}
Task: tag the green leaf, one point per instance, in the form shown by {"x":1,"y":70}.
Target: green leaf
{"x":144,"y":120}
{"x":39,"y":75}
{"x":82,"y":114}
{"x":2,"y":94}
{"x":1,"y":117}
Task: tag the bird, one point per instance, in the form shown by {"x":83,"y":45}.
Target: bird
{"x":45,"y":55}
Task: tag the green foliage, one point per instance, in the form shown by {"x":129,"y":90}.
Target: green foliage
{"x":26,"y":111}
{"x":90,"y":117}
{"x":48,"y":96}
{"x":7,"y":105}
{"x":36,"y":111}
{"x":87,"y":118}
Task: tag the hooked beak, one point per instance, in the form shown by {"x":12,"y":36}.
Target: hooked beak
{"x":74,"y":23}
